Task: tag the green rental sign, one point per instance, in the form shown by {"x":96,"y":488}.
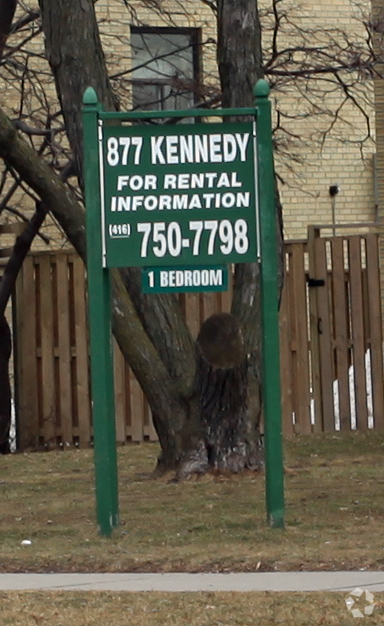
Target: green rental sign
{"x":176,"y":195}
{"x":181,"y":201}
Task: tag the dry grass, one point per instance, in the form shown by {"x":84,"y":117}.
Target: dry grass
{"x":158,"y":609}
{"x":334,"y":513}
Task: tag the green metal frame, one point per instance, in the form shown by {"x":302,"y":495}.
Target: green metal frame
{"x":145,"y":115}
{"x":106,"y":476}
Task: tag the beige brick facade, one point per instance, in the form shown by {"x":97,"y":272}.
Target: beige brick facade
{"x":378,"y":14}
{"x":341,"y":159}
{"x":306,"y":166}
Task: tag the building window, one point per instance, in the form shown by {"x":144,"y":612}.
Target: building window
{"x":165,"y":68}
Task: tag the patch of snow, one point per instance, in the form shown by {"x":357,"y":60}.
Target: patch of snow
{"x":12,"y":432}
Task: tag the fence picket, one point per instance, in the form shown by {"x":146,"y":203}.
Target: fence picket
{"x":190,"y":304}
{"x":80,"y":358}
{"x":357,"y":325}
{"x":299,"y":348}
{"x":136,"y":409}
{"x":341,"y":331}
{"x":120,"y":393}
{"x":27,"y":413}
{"x":324,"y":330}
{"x":375,"y":329}
{"x":63,"y":350}
{"x":313,"y":233}
{"x":45,"y":322}
{"x":208,"y":306}
{"x":285,"y":370}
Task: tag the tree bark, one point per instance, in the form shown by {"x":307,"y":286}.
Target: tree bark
{"x":76,"y":57}
{"x":225,"y":440}
{"x":239,"y":53}
{"x":222,"y":385}
{"x":5,"y":387}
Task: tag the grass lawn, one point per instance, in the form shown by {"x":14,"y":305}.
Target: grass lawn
{"x":197,"y":609}
{"x":334,"y":515}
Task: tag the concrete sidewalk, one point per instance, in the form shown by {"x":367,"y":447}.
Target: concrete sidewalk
{"x":177,"y":582}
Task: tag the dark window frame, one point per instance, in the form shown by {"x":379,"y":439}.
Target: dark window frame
{"x":195,"y":41}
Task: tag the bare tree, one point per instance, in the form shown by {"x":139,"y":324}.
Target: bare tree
{"x":206,"y":408}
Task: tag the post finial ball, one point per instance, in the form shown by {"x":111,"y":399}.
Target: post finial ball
{"x":261,"y":89}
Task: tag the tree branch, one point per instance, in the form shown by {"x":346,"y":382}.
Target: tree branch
{"x":20,"y":251}
{"x":7,"y":12}
{"x":160,"y":389}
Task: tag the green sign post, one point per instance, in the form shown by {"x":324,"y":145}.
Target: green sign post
{"x":182,"y":202}
{"x":274,"y":469}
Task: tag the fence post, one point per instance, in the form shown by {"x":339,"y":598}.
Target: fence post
{"x":312,"y":234}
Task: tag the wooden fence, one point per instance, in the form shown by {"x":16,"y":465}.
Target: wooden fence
{"x":51,"y":363}
{"x":331,"y":335}
{"x":331,"y":345}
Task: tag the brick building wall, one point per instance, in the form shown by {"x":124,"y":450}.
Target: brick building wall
{"x":306,"y":166}
{"x":346,"y":157}
{"x":378,"y":15}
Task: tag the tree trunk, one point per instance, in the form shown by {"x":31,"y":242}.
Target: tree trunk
{"x":223,"y":412}
{"x":239,"y":53}
{"x":5,"y":387}
{"x":155,"y":321}
{"x":240,"y":63}
{"x":226,"y":440}
{"x":76,"y":57}
{"x":230,"y":388}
